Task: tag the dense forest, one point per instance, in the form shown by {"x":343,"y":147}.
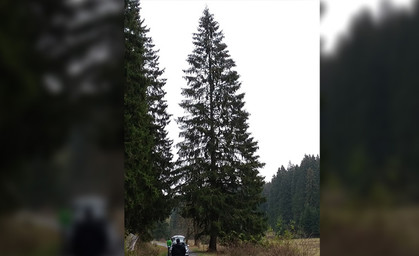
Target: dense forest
{"x":293,"y":198}
{"x":369,"y":93}
{"x":369,"y":142}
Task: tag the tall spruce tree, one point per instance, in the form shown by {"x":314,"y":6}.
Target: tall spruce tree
{"x":147,"y":148}
{"x":161,"y":153}
{"x":217,"y":157}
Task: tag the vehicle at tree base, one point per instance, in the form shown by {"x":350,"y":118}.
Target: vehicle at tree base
{"x":182,"y":241}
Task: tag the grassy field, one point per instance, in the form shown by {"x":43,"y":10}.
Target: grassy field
{"x":273,"y":247}
{"x":269,"y":247}
{"x":21,"y":236}
{"x":374,"y":230}
{"x":147,"y":249}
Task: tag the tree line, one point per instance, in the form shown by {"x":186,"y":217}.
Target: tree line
{"x":293,"y":199}
{"x":292,"y":206}
{"x":368,"y":92}
{"x":215,"y":181}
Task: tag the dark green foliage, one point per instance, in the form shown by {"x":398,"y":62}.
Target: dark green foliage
{"x":369,"y":139}
{"x":140,"y":192}
{"x":370,"y":110}
{"x":157,"y":107}
{"x":46,"y":111}
{"x":309,"y":221}
{"x":293,"y":196}
{"x":161,"y":230}
{"x":20,"y":98}
{"x":147,"y":149}
{"x":180,"y":225}
{"x":177,"y":223}
{"x":217,"y":161}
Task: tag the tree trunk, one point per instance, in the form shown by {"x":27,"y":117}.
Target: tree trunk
{"x":213,"y":243}
{"x":213,"y":236}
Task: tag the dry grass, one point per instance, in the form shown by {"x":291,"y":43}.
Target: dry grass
{"x":370,"y":231}
{"x":310,"y":246}
{"x":252,"y":250}
{"x":146,"y":249}
{"x":272,"y":247}
{"x":24,"y":237}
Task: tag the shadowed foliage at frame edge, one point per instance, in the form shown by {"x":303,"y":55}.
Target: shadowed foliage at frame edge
{"x":369,"y":140}
{"x":61,"y":121}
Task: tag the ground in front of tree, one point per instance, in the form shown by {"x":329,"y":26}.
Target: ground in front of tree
{"x":274,"y":247}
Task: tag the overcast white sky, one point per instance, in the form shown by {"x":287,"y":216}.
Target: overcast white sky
{"x":275,"y":45}
{"x":339,"y":14}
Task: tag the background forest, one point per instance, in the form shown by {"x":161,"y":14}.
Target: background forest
{"x":292,"y":206}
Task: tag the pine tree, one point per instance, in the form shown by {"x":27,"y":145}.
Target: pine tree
{"x":147,"y":149}
{"x":137,"y":140}
{"x":161,"y":153}
{"x":217,"y":157}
